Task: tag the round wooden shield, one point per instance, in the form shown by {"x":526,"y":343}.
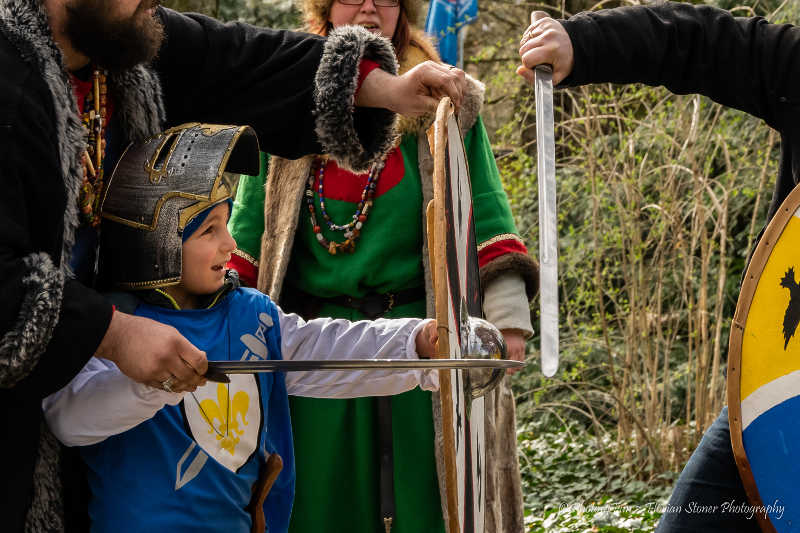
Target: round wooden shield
{"x":454,"y":258}
{"x":764,"y":374}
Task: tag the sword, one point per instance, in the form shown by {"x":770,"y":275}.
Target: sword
{"x":548,"y":232}
{"x":217,"y":370}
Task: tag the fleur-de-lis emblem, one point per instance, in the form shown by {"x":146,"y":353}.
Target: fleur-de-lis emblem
{"x":224,"y":419}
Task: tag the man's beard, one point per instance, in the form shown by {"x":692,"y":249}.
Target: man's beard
{"x":113,"y":43}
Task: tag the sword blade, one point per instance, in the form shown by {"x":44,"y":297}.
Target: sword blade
{"x":548,"y":228}
{"x":250,"y":367}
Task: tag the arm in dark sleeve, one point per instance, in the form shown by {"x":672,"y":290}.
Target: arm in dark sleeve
{"x":49,"y":327}
{"x":744,"y":63}
{"x":297,"y":90}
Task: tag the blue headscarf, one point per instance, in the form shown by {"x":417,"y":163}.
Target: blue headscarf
{"x":197,"y":221}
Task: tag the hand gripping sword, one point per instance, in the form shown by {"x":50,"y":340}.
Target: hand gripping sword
{"x":548,"y":228}
{"x":483,"y":343}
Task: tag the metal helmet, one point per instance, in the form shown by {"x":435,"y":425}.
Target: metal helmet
{"x":157,"y":188}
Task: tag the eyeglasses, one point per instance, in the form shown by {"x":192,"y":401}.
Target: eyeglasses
{"x":378,"y":3}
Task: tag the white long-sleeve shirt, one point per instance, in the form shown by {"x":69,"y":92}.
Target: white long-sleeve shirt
{"x":101,"y":401}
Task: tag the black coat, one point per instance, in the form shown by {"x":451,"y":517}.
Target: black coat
{"x":50,"y":324}
{"x":745,"y":63}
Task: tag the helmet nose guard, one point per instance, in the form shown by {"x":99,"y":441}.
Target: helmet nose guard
{"x":159,"y":186}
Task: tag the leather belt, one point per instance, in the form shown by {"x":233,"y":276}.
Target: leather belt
{"x":372,"y":306}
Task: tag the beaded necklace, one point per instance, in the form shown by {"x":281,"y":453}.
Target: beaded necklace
{"x":93,"y":118}
{"x":351,"y":230}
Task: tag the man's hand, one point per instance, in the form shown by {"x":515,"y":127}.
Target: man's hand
{"x":426,"y":340}
{"x":150,"y":352}
{"x":416,"y":92}
{"x":515,"y":346}
{"x":545,"y":42}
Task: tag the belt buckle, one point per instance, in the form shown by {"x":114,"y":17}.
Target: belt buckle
{"x":377,"y":305}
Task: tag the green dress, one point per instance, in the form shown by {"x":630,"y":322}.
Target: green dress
{"x":337,"y":458}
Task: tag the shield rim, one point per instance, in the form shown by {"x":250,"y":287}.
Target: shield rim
{"x":755,"y":268}
{"x":437,"y":229}
{"x":437,"y":138}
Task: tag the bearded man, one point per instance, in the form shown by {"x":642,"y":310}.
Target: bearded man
{"x":81,"y":79}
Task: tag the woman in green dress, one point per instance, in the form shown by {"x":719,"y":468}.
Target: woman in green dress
{"x":323,"y":241}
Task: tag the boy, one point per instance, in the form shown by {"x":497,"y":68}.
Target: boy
{"x":170,"y":458}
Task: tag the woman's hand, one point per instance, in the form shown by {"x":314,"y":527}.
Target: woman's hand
{"x":426,"y":340}
{"x":416,"y":92}
{"x":515,"y":346}
{"x":545,"y":42}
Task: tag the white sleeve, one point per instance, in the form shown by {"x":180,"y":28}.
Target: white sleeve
{"x":505,"y":304}
{"x":100,"y":402}
{"x":327,"y":338}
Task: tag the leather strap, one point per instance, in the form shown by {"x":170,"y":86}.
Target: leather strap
{"x":372,"y":306}
{"x":386,"y":458}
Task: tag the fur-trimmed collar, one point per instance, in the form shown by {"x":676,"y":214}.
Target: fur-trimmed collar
{"x":421,"y":49}
{"x":136,"y":94}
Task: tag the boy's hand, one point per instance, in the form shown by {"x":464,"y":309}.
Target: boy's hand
{"x":515,"y":346}
{"x":426,"y":340}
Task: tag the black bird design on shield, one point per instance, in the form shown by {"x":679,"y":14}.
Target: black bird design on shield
{"x":792,"y":316}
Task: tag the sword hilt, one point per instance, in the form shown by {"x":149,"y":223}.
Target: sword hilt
{"x":216,"y":376}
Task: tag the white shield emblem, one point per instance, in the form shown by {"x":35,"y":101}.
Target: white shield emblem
{"x":225,"y":419}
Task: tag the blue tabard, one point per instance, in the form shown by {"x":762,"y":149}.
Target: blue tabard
{"x":192,"y":466}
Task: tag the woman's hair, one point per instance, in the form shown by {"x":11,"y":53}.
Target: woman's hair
{"x":402,"y":34}
{"x":400,"y":40}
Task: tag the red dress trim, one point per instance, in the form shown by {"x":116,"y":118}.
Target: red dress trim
{"x":495,"y":250}
{"x":248,"y":273}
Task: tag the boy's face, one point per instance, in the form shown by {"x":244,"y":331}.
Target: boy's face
{"x":205,"y":254}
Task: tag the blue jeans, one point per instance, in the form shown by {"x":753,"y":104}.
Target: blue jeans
{"x":709,"y":479}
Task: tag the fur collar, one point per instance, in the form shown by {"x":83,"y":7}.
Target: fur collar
{"x":136,"y":94}
{"x":421,"y":49}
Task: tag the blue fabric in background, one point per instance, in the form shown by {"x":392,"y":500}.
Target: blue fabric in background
{"x":445,"y":20}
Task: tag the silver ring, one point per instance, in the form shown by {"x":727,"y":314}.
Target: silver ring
{"x":168,"y":383}
{"x":527,"y":36}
